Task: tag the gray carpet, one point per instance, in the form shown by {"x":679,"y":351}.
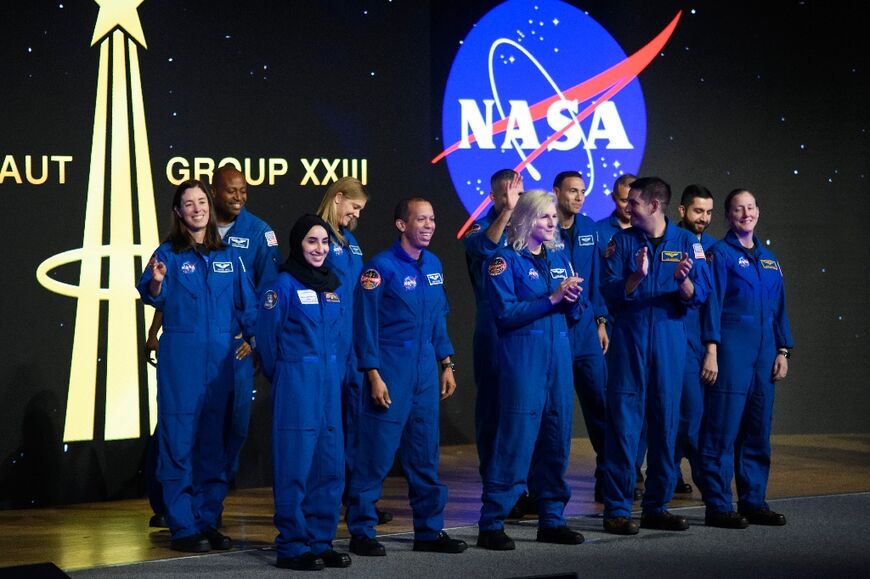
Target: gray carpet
{"x":824,"y":538}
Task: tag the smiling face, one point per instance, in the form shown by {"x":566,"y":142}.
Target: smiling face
{"x":230,"y":194}
{"x":417,"y":231}
{"x":743,"y":214}
{"x":620,"y":199}
{"x":192,"y":209}
{"x":347,"y":210}
{"x":696,"y":217}
{"x":315,"y":246}
{"x":571,"y":195}
{"x":544,"y":226}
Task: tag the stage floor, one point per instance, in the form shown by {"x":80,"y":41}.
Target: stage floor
{"x":111,"y":533}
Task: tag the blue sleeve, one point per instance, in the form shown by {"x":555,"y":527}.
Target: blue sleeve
{"x":511,"y":312}
{"x":440,"y":339}
{"x":366,"y":309}
{"x":478,"y":245}
{"x":615,"y":273}
{"x":266,"y":261}
{"x":159,"y":300}
{"x":270,"y":315}
{"x":245,"y":301}
{"x":711,"y":311}
{"x":599,"y":307}
{"x":700,"y":275}
{"x":781,"y":326}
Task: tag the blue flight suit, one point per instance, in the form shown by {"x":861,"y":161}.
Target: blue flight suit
{"x":205,"y":299}
{"x":605,"y":229}
{"x":746,"y":317}
{"x":346,"y":262}
{"x":645,"y":363}
{"x":692,"y":399}
{"x":400,"y":329}
{"x":589,"y":367}
{"x":478,"y":251}
{"x":536,"y":403}
{"x":256,"y":243}
{"x":299,"y":342}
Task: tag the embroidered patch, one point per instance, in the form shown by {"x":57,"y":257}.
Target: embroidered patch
{"x":307,"y":297}
{"x":271,"y":240}
{"x":472,"y":230}
{"x":585,"y":240}
{"x":222,"y":267}
{"x":270,"y":300}
{"x":410,"y":282}
{"x":331,"y":297}
{"x":769,"y":264}
{"x":188,"y":267}
{"x":337,"y":249}
{"x":240,"y":242}
{"x":743,"y":262}
{"x":699,"y":250}
{"x":497,"y":266}
{"x":672,"y":256}
{"x":558,"y":273}
{"x":354,"y":249}
{"x":370,"y":279}
{"x":435,"y":279}
{"x":533,"y":273}
{"x":611,"y":247}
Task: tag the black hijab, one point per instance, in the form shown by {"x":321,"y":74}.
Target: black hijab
{"x":319,"y":279}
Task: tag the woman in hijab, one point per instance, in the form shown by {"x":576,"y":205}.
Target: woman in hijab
{"x":299,"y":328}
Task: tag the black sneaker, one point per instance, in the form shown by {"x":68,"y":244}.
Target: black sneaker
{"x":726,"y":520}
{"x":332,"y":558}
{"x":620,"y":526}
{"x":663,"y":521}
{"x":196,"y":543}
{"x":158,"y":522}
{"x":216,"y":539}
{"x":366,"y":547}
{"x":443,"y":544}
{"x":304,"y":562}
{"x":764,"y":517}
{"x":495,"y":541}
{"x":559,"y":535}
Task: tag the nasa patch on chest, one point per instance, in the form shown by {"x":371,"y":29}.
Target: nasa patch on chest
{"x":188,"y":267}
{"x":337,"y":249}
{"x":533,"y":273}
{"x":434,"y":279}
{"x":410,"y":282}
{"x":742,"y":261}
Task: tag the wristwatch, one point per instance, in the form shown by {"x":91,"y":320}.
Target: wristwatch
{"x":445,"y":365}
{"x":784,"y":353}
{"x":601,"y":320}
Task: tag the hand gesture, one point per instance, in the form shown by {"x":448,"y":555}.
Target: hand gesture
{"x":683,"y":268}
{"x":158,"y":270}
{"x":379,"y":392}
{"x":568,"y":290}
{"x":641,"y":259}
{"x":512,"y":194}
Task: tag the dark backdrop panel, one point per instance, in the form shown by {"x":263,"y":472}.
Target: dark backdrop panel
{"x":767,"y":96}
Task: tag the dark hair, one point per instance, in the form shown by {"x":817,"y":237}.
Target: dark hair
{"x":179,"y":236}
{"x":624,"y":180}
{"x":403,"y":207}
{"x":557,"y":182}
{"x":734,"y":194}
{"x":499,"y":176}
{"x":653,"y":188}
{"x":692,"y":192}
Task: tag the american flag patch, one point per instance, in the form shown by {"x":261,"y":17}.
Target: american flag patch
{"x":271,"y":240}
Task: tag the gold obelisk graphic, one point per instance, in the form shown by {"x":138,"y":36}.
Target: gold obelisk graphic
{"x":119,"y":109}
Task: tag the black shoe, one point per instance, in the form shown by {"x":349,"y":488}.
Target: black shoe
{"x":764,"y":517}
{"x":304,"y":562}
{"x":683,"y":488}
{"x":443,"y":544}
{"x":158,"y":522}
{"x":525,"y":505}
{"x":620,"y":526}
{"x":384,"y":517}
{"x":495,"y":541}
{"x":333,"y":558}
{"x":559,"y":535}
{"x":216,"y":539}
{"x":638,"y":494}
{"x":726,"y":520}
{"x":191,"y":544}
{"x":598,"y":495}
{"x":663,"y":521}
{"x":366,"y":547}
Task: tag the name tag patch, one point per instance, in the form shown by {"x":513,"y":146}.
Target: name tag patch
{"x":354,"y":249}
{"x":769,"y":264}
{"x":585,"y":240}
{"x":558,"y":273}
{"x":240,"y":242}
{"x":672,"y":256}
{"x":222,"y":267}
{"x":435,"y":279}
{"x":307,"y":296}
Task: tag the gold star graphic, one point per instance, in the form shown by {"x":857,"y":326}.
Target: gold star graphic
{"x":119,"y":13}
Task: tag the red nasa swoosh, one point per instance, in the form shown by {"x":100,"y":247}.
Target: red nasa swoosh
{"x":603,"y":86}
